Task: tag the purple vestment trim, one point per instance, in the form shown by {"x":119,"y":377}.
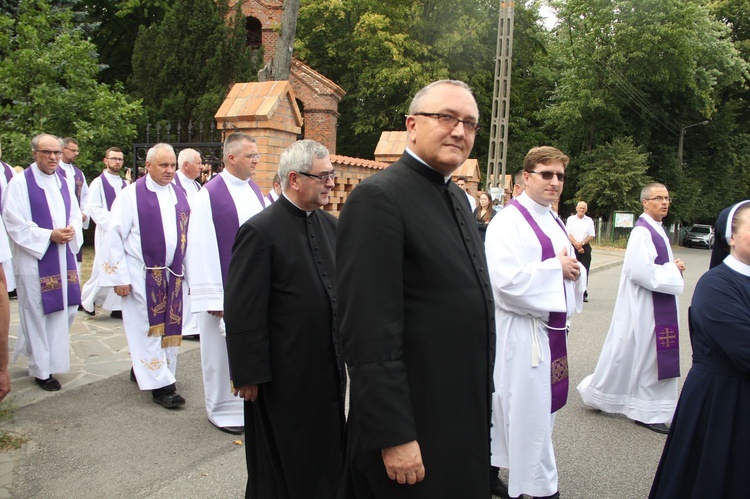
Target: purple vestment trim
{"x":558,"y":347}
{"x":226,"y":221}
{"x":269,"y":198}
{"x":256,"y":189}
{"x":8,"y":176}
{"x":163,"y":293}
{"x":109,"y":191}
{"x":666,"y":330}
{"x":78,"y":179}
{"x":50,"y":278}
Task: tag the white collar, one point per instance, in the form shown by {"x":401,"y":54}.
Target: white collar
{"x":737,"y":265}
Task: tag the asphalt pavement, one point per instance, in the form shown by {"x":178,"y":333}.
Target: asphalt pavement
{"x":102,"y":437}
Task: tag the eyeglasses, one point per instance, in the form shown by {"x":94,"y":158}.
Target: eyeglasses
{"x":449,"y":121}
{"x":47,"y":152}
{"x":548,"y":175}
{"x":253,"y":156}
{"x":323,"y":177}
{"x":659,"y":199}
{"x":71,"y":150}
{"x":118,"y":160}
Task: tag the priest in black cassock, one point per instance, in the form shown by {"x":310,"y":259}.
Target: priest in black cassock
{"x":417,"y":326}
{"x":280,"y":311}
{"x":707,"y":453}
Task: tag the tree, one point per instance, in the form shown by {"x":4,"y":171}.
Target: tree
{"x":613,"y":176}
{"x":184,"y":65}
{"x":279,"y":66}
{"x":48,"y":83}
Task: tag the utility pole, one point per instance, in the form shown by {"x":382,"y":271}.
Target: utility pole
{"x":498,"y":150}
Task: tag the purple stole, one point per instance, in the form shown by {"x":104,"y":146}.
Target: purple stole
{"x":666,"y":329}
{"x":109,"y":191}
{"x":78,"y":177}
{"x":226,"y":221}
{"x":50,"y":278}
{"x":558,"y":347}
{"x":8,"y":176}
{"x":269,"y":198}
{"x":163,"y":299}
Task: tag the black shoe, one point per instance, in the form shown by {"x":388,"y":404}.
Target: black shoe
{"x":50,"y":384}
{"x":556,"y":495}
{"x":12,"y":294}
{"x":232,"y":430}
{"x":116,"y":314}
{"x":81,"y":309}
{"x":191,"y":337}
{"x":132,"y":376}
{"x":169,"y":400}
{"x":497,"y":486}
{"x":585,"y":299}
{"x":657,"y":427}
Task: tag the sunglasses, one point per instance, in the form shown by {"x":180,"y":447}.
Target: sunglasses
{"x":548,"y":175}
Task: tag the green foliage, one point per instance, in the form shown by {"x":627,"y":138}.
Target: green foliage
{"x":184,"y":65}
{"x":48,"y":83}
{"x":612,"y":177}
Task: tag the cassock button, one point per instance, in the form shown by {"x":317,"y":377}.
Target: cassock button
{"x":330,"y":287}
{"x":324,"y":274}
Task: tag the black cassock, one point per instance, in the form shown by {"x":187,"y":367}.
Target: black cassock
{"x":418,"y":334}
{"x":280,"y":314}
{"x":707,"y":453}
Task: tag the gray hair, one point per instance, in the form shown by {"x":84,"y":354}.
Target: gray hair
{"x":152,"y":152}
{"x":233,"y":143}
{"x":187,"y":155}
{"x":299,"y":157}
{"x":416,"y":102}
{"x":35,"y":140}
{"x":646,"y":191}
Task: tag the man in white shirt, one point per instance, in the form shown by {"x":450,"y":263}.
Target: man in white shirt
{"x":537,"y":286}
{"x":581,"y":232}
{"x":463,"y":183}
{"x":639,"y":366}
{"x":219,"y":210}
{"x":43,"y":221}
{"x":146,"y":243}
{"x":101,"y":195}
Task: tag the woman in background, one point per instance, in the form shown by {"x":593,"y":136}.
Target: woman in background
{"x":484,"y":213}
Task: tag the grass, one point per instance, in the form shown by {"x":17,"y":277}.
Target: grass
{"x":8,"y":440}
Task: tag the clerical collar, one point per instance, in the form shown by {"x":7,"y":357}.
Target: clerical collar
{"x":414,"y":155}
{"x":530,"y":204}
{"x":737,"y":265}
{"x":651,"y":220}
{"x":308,"y":213}
{"x":232,"y":179}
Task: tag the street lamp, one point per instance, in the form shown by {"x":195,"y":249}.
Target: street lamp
{"x":682,"y":137}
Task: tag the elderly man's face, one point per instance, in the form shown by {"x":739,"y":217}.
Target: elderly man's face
{"x":581,"y":209}
{"x":47,"y":154}
{"x":162,"y":168}
{"x":443,"y":147}
{"x":313,"y":192}
{"x":192,"y":169}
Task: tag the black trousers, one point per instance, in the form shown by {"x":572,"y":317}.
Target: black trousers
{"x":585,"y":259}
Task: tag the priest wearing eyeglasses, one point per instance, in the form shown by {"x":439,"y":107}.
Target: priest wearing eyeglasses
{"x":639,"y":366}
{"x":43,"y":221}
{"x":409,"y":256}
{"x":538,"y":284}
{"x":281,"y":315}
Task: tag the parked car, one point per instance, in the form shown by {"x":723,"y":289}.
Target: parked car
{"x":699,"y":235}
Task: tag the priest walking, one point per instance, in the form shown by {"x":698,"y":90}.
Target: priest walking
{"x":145,"y":248}
{"x":102,"y":193}
{"x":280,"y":308}
{"x":44,"y":224}
{"x":218,"y":211}
{"x":639,"y":365}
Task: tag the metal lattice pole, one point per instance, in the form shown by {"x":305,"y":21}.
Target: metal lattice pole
{"x":501,"y":98}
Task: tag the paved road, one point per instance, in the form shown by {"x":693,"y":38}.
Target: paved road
{"x":101,"y":437}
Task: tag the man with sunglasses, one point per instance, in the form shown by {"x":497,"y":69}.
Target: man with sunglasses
{"x":43,"y":221}
{"x":281,"y":316}
{"x":639,"y":365}
{"x":538,"y":284}
{"x":102,"y":193}
{"x":417,"y":316}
